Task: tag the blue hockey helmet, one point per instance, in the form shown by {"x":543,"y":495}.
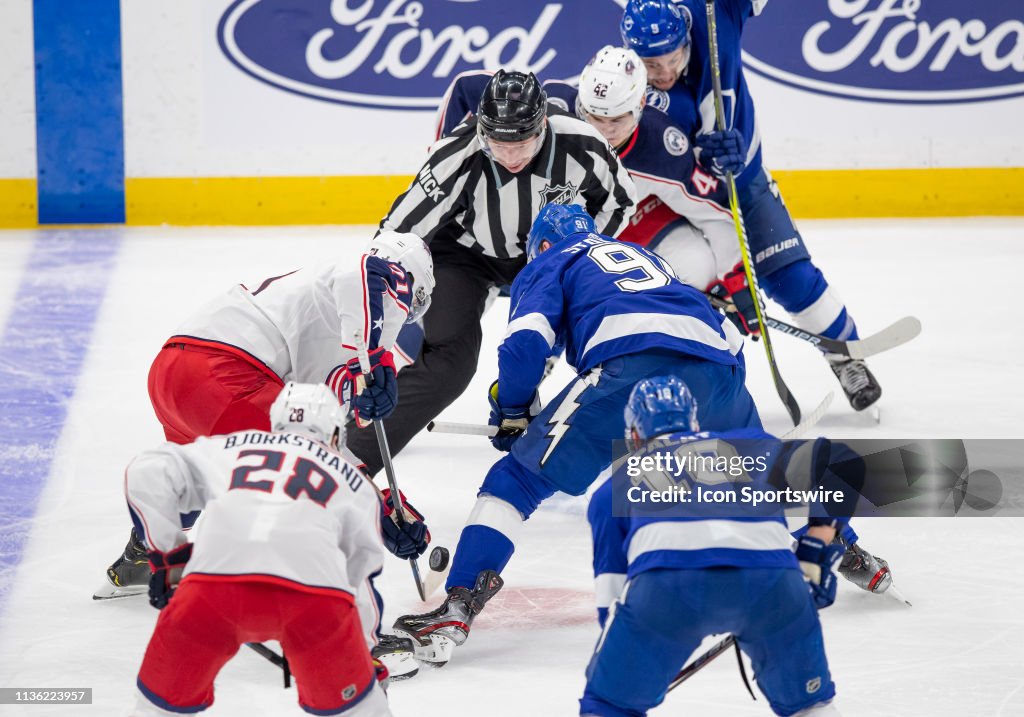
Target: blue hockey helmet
{"x":655,"y":27}
{"x":554,"y":223}
{"x":658,"y":405}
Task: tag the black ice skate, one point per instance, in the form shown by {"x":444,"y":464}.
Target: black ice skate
{"x":864,"y":569}
{"x":436,"y":633}
{"x":129,"y":574}
{"x":398,"y":655}
{"x":857,"y":381}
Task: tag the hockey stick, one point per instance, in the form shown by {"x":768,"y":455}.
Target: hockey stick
{"x":748,"y":269}
{"x":385,"y":453}
{"x":465,"y":429}
{"x":280,"y":660}
{"x":479,"y":429}
{"x":810,"y":421}
{"x":701,"y":662}
{"x":896,"y":334}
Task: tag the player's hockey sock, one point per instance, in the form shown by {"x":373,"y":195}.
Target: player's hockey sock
{"x":801,"y":289}
{"x":480,"y":548}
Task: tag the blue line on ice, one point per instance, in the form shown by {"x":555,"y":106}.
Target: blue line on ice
{"x":42,"y":349}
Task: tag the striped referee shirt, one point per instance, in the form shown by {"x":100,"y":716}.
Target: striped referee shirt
{"x":461,"y":185}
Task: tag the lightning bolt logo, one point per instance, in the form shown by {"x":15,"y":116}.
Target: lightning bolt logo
{"x":559,"y":421}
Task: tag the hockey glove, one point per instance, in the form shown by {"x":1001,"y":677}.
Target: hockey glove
{"x":733,"y":288}
{"x":510,"y":420}
{"x":405,"y":541}
{"x":374,"y":400}
{"x":723,"y":152}
{"x":819,"y":561}
{"x":167,"y":569}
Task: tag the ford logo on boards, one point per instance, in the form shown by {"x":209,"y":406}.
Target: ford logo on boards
{"x":402,"y":54}
{"x":912,"y":51}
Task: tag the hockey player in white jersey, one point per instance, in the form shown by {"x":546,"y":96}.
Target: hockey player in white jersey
{"x":290,"y":542}
{"x":224,"y":366}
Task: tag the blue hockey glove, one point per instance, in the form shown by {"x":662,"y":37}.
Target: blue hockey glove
{"x":819,"y":561}
{"x":378,"y":399}
{"x":167,"y":569}
{"x":723,"y":152}
{"x":510,"y":420}
{"x":733,"y":288}
{"x":405,"y":541}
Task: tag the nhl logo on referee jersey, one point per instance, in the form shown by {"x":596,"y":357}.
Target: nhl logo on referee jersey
{"x":813,"y":685}
{"x":676,"y":142}
{"x":558,"y":194}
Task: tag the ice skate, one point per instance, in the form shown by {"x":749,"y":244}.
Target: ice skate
{"x":863,"y":569}
{"x":129,"y":574}
{"x":859,"y":384}
{"x":438,"y":632}
{"x":398,"y":654}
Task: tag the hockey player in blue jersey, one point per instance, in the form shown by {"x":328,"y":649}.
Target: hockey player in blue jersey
{"x":622,"y":316}
{"x":698,"y":569}
{"x":672,"y":38}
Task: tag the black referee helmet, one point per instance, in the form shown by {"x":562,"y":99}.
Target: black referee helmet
{"x":512,"y":107}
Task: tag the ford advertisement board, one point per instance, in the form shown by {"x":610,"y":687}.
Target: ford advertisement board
{"x":904,"y":51}
{"x":402,"y":54}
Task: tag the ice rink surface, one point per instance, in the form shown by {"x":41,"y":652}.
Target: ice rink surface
{"x":958,"y":651}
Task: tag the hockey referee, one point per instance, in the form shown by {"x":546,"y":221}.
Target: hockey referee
{"x":473,"y":202}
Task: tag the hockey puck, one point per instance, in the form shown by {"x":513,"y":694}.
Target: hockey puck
{"x":438,"y":559}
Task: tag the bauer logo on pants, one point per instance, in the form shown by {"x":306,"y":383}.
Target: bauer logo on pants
{"x":910,"y":51}
{"x":402,"y":54}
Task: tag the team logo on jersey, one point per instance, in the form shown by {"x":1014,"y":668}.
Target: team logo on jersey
{"x":558,"y":194}
{"x":658,"y":99}
{"x":676,"y":142}
{"x":402,"y":54}
{"x":907,"y":51}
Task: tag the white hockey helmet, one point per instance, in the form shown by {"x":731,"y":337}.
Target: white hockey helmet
{"x":413,"y":254}
{"x":613,"y":83}
{"x":310,"y":408}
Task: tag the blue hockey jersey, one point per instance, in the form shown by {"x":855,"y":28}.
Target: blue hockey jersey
{"x":721,"y":524}
{"x":603,"y":298}
{"x":730,"y":17}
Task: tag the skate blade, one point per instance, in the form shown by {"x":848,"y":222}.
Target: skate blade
{"x":114,"y":592}
{"x":401,"y":665}
{"x":436,"y":654}
{"x":897,"y":595}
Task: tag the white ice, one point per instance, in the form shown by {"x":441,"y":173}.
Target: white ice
{"x":958,"y":651}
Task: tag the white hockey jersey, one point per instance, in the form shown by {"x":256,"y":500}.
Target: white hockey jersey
{"x":305,"y":325}
{"x":277,"y":507}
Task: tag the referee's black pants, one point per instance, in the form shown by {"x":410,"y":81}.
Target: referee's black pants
{"x":451,"y":346}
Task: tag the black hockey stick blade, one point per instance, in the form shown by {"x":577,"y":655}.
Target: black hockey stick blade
{"x":465,"y":429}
{"x":280,"y":660}
{"x":701,"y":662}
